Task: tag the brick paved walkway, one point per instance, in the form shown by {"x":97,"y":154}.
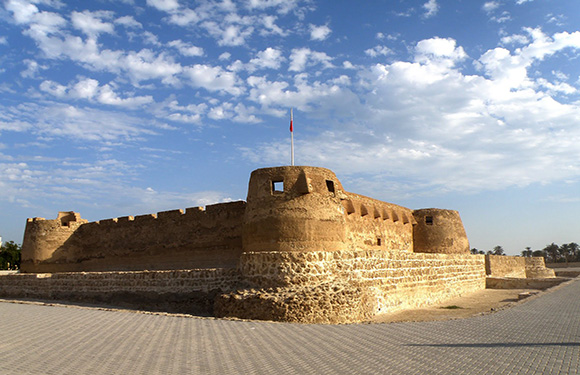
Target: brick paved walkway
{"x":541,"y":336}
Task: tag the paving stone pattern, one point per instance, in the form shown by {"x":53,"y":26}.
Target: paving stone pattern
{"x":540,"y":336}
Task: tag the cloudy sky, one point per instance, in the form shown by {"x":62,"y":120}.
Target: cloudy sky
{"x":115,"y":108}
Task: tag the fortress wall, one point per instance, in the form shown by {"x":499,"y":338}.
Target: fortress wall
{"x":348,"y":286}
{"x":439,"y":231}
{"x":42,"y":237}
{"x":373,"y":224}
{"x":196,"y":238}
{"x":145,"y":289}
{"x":293,"y":209}
{"x":505,"y":266}
{"x":536,"y":268}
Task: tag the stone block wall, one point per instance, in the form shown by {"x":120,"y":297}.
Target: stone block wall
{"x":177,"y":239}
{"x":348,"y":286}
{"x":188,"y":291}
{"x":505,"y":266}
{"x":536,"y":268}
{"x":375,"y":225}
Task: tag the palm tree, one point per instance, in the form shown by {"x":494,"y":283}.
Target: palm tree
{"x":569,"y":250}
{"x":553,"y":250}
{"x":527,"y":252}
{"x":498,"y":250}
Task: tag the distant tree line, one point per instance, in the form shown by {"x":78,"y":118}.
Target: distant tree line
{"x":10,"y":256}
{"x":568,"y":252}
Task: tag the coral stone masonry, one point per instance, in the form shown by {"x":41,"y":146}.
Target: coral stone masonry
{"x":299,"y":249}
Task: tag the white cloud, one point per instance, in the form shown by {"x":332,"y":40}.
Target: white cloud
{"x":431,"y":8}
{"x":164,"y":5}
{"x":22,"y":10}
{"x":439,"y":51}
{"x":90,"y":89}
{"x":186,"y":49}
{"x":505,"y":16}
{"x":225,"y":56}
{"x":557,"y":87}
{"x":319,"y":32}
{"x":300,"y":58}
{"x":190,"y":114}
{"x":304,"y":96}
{"x":213,"y":78}
{"x":270,"y":58}
{"x":557,"y":19}
{"x":348,"y":65}
{"x":55,"y":120}
{"x":221,"y":112}
{"x":32,"y":68}
{"x":511,"y":69}
{"x":428,"y":122}
{"x":91,"y":23}
{"x":515,"y":39}
{"x":129,"y":21}
{"x":560,"y":75}
{"x":490,"y":6}
{"x":184,"y":17}
{"x":150,"y":38}
{"x":283,"y":6}
{"x":228,"y":35}
{"x":377,"y":51}
{"x":270,"y":27}
{"x":3,"y":40}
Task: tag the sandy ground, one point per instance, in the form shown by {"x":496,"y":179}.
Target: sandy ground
{"x":481,"y":302}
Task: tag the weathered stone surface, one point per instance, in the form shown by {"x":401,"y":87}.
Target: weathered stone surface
{"x":536,"y":268}
{"x":189,"y":291}
{"x":505,"y":266}
{"x":439,"y":231}
{"x":385,"y":280}
{"x":311,"y":251}
{"x":523,"y":283}
{"x":169,"y":240}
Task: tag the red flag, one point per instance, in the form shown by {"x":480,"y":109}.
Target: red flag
{"x":291,"y":118}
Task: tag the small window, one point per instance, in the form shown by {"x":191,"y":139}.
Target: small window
{"x":278,"y":186}
{"x":330,"y":185}
{"x":378,"y":241}
{"x":429,"y":220}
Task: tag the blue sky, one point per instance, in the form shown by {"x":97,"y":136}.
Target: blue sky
{"x":115,"y":108}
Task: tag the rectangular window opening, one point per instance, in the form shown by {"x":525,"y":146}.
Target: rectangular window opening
{"x":330,"y":185}
{"x":378,"y":241}
{"x":429,"y":220}
{"x":278,"y":186}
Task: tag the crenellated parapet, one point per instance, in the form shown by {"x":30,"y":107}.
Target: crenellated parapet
{"x":373,"y":224}
{"x":196,"y":237}
{"x":294,"y":209}
{"x":288,"y":209}
{"x":301,"y":249}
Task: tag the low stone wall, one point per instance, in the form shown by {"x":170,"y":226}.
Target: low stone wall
{"x":382,"y":281}
{"x":505,"y":266}
{"x":519,"y":283}
{"x":188,"y":291}
{"x":536,"y":268}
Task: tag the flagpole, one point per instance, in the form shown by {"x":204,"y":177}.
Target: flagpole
{"x":291,"y":138}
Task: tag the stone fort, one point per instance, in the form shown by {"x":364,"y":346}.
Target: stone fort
{"x":300,"y":249}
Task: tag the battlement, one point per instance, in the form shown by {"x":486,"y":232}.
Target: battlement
{"x":300,"y":248}
{"x":369,"y":208}
{"x":196,"y":237}
{"x":192,"y":213}
{"x":289,"y":209}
